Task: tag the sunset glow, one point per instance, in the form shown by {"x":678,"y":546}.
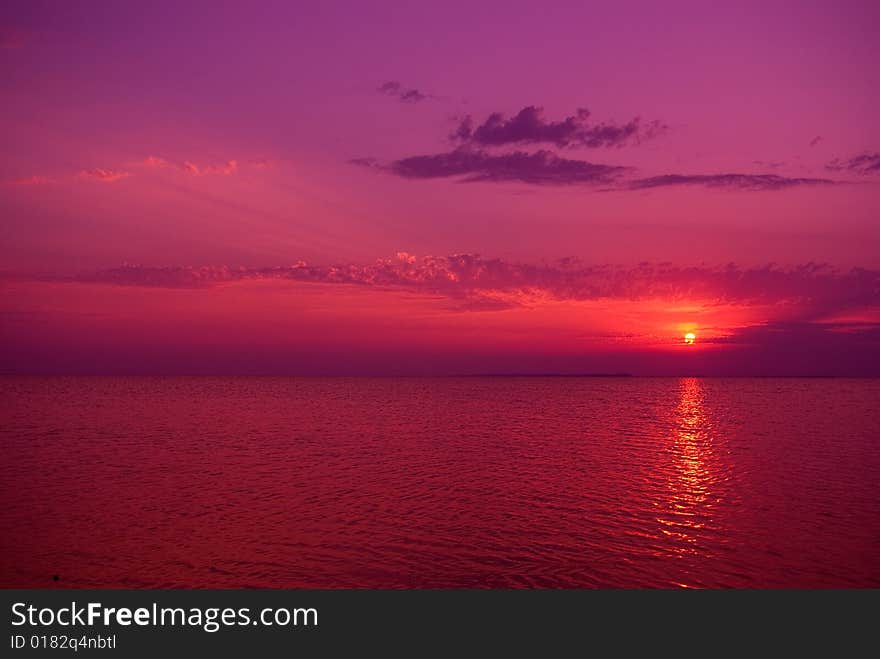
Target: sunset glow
{"x":386,"y":214}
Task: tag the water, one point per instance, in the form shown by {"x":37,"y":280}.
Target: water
{"x":447,"y":482}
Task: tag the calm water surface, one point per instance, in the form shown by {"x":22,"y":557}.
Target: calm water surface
{"x":448,"y":482}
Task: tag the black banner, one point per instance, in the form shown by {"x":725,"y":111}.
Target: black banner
{"x":280,"y":622}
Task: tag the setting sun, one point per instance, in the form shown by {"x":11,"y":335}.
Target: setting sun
{"x":690,"y":337}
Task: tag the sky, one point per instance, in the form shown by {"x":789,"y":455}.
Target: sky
{"x":396,"y":188}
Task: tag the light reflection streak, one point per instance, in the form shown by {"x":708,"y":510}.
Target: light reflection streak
{"x":690,"y":498}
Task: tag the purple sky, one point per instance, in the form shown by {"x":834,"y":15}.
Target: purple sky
{"x":470,"y":187}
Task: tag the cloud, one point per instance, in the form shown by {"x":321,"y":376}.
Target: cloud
{"x":188,"y":167}
{"x":864,"y":164}
{"x":807,"y":292}
{"x":473,"y":165}
{"x":785,"y":333}
{"x":107,"y":175}
{"x":28,"y":180}
{"x":477,"y":160}
{"x":226,"y":168}
{"x":104,"y":175}
{"x":815,"y":140}
{"x":813,"y":315}
{"x":528,"y":126}
{"x":154,"y":161}
{"x":547,"y":168}
{"x":395,"y":89}
{"x":752,"y":182}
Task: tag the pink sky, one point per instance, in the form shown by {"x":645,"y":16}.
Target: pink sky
{"x":286,"y":191}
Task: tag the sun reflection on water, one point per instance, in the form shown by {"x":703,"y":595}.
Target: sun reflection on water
{"x":690,"y":498}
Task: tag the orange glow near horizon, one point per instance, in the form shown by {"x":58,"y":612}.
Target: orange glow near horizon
{"x":274,"y":325}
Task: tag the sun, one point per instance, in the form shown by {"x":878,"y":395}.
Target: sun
{"x":689,"y":338}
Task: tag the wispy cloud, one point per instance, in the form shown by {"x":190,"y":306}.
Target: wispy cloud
{"x":815,"y":141}
{"x":104,"y":175}
{"x":229,"y":167}
{"x":28,"y":180}
{"x":863,"y":164}
{"x":108,"y":175}
{"x":155,"y":161}
{"x":730,"y":181}
{"x":808,"y":292}
{"x":403,"y":94}
{"x":188,"y":167}
{"x":529,"y":126}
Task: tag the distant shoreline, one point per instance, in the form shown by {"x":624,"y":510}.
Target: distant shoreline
{"x":550,"y":375}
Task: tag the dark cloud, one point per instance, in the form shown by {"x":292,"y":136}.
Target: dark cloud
{"x":530,"y":127}
{"x":547,"y":168}
{"x":477,"y":160}
{"x":864,"y":164}
{"x":815,"y":140}
{"x":471,"y":165}
{"x":732,"y":181}
{"x":395,"y":89}
{"x":802,"y":347}
{"x":783,"y":334}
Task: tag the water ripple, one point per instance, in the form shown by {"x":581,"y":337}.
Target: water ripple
{"x":448,"y":482}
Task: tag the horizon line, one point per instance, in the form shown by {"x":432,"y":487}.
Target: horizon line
{"x":435,"y":376}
